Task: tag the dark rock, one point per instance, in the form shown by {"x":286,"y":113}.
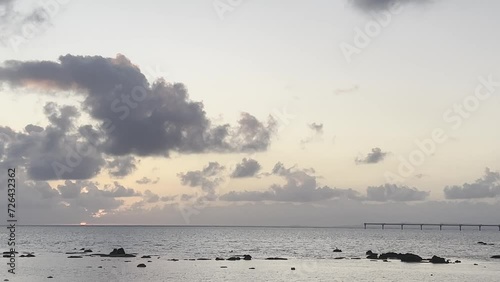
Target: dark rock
{"x":100,"y":266}
{"x":337,"y":250}
{"x":475,"y":264}
{"x":369,"y":252}
{"x":385,"y":260}
{"x":247,"y":257}
{"x":457,"y":261}
{"x":75,"y":257}
{"x":293,"y":268}
{"x":355,"y":258}
{"x":436,"y":259}
{"x":27,"y":256}
{"x":172,"y":259}
{"x":276,"y":258}
{"x":372,"y":256}
{"x":408,"y":257}
{"x":223,"y":266}
{"x":219,"y":259}
{"x":234,"y":258}
{"x":141,"y":265}
{"x":50,"y":277}
{"x":87,"y":251}
{"x":495,"y":257}
{"x":389,"y":255}
{"x":203,"y":259}
{"x":339,"y":258}
{"x":128,"y":261}
{"x":146,"y":257}
{"x":252,"y":268}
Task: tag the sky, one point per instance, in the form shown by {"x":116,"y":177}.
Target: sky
{"x":250,"y":112}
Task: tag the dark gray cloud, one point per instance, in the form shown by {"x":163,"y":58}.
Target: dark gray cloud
{"x":137,"y":117}
{"x":247,"y":168}
{"x":300,"y":187}
{"x":487,"y":186}
{"x":150,"y":197}
{"x":57,"y":151}
{"x":208,"y":179}
{"x":393,"y":192}
{"x":374,"y":157}
{"x":381,"y":5}
{"x":121,"y":166}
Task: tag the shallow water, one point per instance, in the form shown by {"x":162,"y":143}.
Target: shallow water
{"x":308,"y":249}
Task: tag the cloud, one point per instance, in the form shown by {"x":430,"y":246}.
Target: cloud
{"x":487,"y":186}
{"x":121,"y":166}
{"x":374,"y":157}
{"x":52,"y":152}
{"x":208,"y":179}
{"x":14,"y":22}
{"x":136,"y":117}
{"x":247,"y":168}
{"x":393,"y":192}
{"x":150,"y":197}
{"x":300,"y":187}
{"x":146,"y":180}
{"x":317,"y":129}
{"x":381,"y":5}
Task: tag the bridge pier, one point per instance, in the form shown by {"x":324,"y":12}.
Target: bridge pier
{"x":460,"y":227}
{"x":480,"y":227}
{"x":402,"y":226}
{"x":383,"y":225}
{"x":421,"y":227}
{"x":365,"y":225}
{"x":440,"y":227}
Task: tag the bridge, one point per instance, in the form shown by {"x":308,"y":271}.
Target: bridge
{"x":459,"y":225}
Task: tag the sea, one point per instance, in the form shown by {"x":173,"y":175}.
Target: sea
{"x":309,"y":254}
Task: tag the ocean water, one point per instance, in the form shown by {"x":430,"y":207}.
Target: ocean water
{"x":309,"y":250}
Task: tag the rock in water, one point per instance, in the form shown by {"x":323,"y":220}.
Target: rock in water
{"x":389,"y":255}
{"x":337,"y":250}
{"x":141,"y":265}
{"x":410,"y":258}
{"x":495,"y":257}
{"x":436,"y":259}
{"x":372,"y":256}
{"x":247,"y":257}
